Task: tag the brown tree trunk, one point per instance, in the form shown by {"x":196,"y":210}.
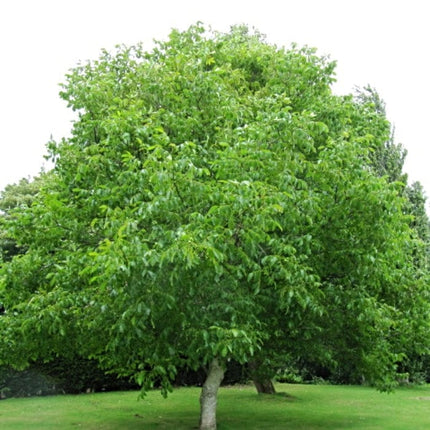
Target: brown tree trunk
{"x":264,"y":386}
{"x":263,"y":383}
{"x":208,"y":397}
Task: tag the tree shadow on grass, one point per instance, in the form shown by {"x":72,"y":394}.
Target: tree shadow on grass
{"x":288,"y":412}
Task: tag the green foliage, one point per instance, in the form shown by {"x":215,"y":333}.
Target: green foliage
{"x":416,"y":200}
{"x":387,"y":159}
{"x":214,"y":201}
{"x":16,"y":197}
{"x":22,"y":194}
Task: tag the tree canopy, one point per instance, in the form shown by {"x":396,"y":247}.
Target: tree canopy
{"x":215,"y":201}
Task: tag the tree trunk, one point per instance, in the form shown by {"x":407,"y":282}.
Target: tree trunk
{"x":264,"y":386}
{"x":263,"y":383}
{"x":208,"y":397}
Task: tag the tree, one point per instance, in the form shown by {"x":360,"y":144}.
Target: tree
{"x":416,"y":200}
{"x":387,"y":159}
{"x":13,"y":197}
{"x":213,"y":203}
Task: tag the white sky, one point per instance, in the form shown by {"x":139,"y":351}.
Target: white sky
{"x":384,"y":43}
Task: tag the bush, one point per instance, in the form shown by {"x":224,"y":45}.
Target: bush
{"x":25,"y":383}
{"x":65,"y":376}
{"x":59,"y":376}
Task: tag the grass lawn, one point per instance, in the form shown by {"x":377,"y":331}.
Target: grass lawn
{"x":306,"y":407}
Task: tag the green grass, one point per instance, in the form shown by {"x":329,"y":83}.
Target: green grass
{"x":306,"y":407}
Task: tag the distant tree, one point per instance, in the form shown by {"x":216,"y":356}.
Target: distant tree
{"x":214,"y":203}
{"x":387,"y":158}
{"x":416,"y":207}
{"x":387,"y":161}
{"x":15,"y":197}
{"x":21,"y":194}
